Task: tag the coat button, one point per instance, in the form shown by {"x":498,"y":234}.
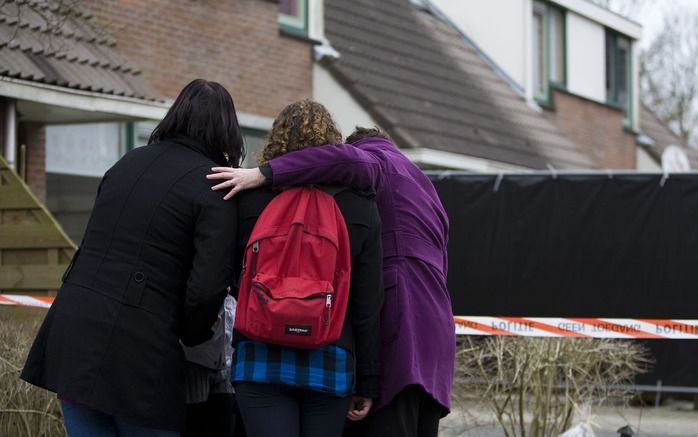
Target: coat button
{"x":138,"y":277}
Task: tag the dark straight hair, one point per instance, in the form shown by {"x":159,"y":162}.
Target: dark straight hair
{"x":204,"y":112}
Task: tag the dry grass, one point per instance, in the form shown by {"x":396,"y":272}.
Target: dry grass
{"x":534,"y":386}
{"x":25,"y":411}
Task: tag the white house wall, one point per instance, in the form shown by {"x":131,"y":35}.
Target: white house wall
{"x":602,"y":16}
{"x":645,"y":162}
{"x":497,"y":27}
{"x":586,"y":62}
{"x":346,"y":112}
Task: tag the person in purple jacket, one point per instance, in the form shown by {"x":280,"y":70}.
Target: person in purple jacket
{"x":417,"y":327}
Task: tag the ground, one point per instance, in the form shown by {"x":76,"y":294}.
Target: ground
{"x":675,"y":419}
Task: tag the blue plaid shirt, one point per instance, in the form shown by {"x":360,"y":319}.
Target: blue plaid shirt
{"x":329,"y":369}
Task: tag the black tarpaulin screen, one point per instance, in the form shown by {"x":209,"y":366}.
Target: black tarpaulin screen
{"x":578,"y":245}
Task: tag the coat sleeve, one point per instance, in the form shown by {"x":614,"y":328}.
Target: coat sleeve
{"x":343,"y":164}
{"x":211,"y":272}
{"x":365,"y":304}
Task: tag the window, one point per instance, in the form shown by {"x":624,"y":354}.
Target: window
{"x":549,"y":66}
{"x":255,"y":139}
{"x":619,"y":74}
{"x":540,"y":84}
{"x":556,"y":21}
{"x":293,"y":17}
{"x":72,"y":175}
{"x":66,"y":145}
{"x":143,"y":129}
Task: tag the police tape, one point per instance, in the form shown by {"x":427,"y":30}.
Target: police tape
{"x":26,"y":301}
{"x":575,"y":327}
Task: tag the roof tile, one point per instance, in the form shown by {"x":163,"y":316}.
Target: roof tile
{"x":77,"y":55}
{"x":428,"y":87}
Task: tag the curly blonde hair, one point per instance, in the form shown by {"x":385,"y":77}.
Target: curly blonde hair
{"x":300,"y":125}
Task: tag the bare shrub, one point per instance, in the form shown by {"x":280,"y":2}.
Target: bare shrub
{"x":534,"y":386}
{"x":25,"y":411}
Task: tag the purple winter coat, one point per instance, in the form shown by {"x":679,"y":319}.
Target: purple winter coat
{"x":417,"y":328}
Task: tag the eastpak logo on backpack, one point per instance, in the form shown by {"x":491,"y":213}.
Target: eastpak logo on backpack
{"x":295,"y":283}
{"x":299,"y":330}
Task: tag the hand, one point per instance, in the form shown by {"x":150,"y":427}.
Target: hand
{"x":359,"y":408}
{"x":237,"y":179}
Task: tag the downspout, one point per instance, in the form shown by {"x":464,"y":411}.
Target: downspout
{"x":11,"y":133}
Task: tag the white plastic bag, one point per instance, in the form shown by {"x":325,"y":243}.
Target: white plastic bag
{"x":580,"y":430}
{"x":217,"y":352}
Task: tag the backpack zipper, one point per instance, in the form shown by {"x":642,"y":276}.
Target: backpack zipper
{"x":328,"y":306}
{"x":255,"y":251}
{"x":261,"y":292}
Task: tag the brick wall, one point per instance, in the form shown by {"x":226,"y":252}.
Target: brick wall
{"x":596,"y":127}
{"x":234,"y":42}
{"x":33,"y":135}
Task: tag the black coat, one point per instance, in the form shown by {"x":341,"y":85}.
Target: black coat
{"x":361,"y":330}
{"x":153,"y":268}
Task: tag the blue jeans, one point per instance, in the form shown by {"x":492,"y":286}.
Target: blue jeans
{"x":85,"y":422}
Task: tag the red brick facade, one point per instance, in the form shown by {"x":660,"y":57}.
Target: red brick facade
{"x":236,"y":43}
{"x":33,"y":135}
{"x":596,"y":127}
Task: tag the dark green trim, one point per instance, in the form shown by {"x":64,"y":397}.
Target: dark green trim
{"x":293,"y":32}
{"x":631,"y":130}
{"x":295,"y":26}
{"x":611,"y":67}
{"x":253,"y":131}
{"x":563,"y":84}
{"x":544,"y":99}
{"x":628,"y":120}
{"x":130,"y":135}
{"x":548,"y":103}
{"x":612,"y":95}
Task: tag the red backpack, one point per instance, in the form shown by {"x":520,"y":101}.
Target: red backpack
{"x":295,"y":277}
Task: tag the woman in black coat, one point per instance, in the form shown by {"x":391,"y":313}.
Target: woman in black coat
{"x":154,"y":267}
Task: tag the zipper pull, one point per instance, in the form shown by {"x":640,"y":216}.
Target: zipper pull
{"x":255,"y":251}
{"x":328,"y":306}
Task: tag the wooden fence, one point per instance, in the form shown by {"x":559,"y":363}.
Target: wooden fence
{"x":34,"y":249}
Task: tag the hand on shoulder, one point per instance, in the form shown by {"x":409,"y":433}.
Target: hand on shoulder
{"x":236,"y":179}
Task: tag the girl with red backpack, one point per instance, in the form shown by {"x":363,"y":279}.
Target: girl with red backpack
{"x":307,"y":325}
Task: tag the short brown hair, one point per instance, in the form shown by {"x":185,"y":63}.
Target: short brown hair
{"x":361,"y":133}
{"x":300,"y":125}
